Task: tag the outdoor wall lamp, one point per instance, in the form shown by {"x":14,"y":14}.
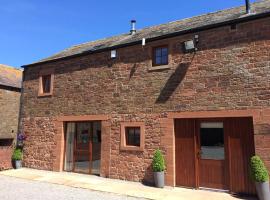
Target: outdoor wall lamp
{"x":113,"y":53}
{"x":191,"y":45}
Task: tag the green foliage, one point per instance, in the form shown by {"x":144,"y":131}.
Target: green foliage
{"x":259,"y":172}
{"x":17,"y":154}
{"x":158,"y":163}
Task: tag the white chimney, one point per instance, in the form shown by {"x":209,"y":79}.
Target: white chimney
{"x":133,"y":27}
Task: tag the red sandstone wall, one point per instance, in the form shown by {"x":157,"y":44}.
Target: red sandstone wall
{"x":5,"y":157}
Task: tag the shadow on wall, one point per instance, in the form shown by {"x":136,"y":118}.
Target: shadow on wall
{"x":174,"y":81}
{"x":132,"y":71}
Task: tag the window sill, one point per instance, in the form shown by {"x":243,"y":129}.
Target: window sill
{"x":160,"y":67}
{"x":45,"y":95}
{"x":131,"y":148}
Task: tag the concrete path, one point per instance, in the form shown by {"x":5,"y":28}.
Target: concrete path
{"x":14,"y":188}
{"x":119,"y":187}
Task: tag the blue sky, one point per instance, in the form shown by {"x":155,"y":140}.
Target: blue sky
{"x":34,"y":29}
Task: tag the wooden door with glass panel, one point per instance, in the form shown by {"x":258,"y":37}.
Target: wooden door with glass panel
{"x":83,"y":147}
{"x":212,"y":155}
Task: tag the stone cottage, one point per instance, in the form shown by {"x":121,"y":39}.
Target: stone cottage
{"x":197,"y":88}
{"x":10,"y":93}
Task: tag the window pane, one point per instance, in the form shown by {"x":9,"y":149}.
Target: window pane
{"x":164,"y":51}
{"x":212,"y":141}
{"x":137,"y":137}
{"x":70,"y":134}
{"x":164,"y":60}
{"x":133,"y":136}
{"x":158,"y":60}
{"x":46,"y":83}
{"x":161,"y":56}
{"x":96,"y":148}
{"x":158,"y":52}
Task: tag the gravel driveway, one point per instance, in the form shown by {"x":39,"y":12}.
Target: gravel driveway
{"x":14,"y":188}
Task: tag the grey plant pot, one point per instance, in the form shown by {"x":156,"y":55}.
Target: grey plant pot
{"x":18,"y":164}
{"x":263,"y":190}
{"x":159,"y":179}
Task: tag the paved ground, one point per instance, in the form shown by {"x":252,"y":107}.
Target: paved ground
{"x":14,"y":188}
{"x":69,"y":181}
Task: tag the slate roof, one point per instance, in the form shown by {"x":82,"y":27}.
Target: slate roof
{"x":260,"y":8}
{"x":10,"y":76}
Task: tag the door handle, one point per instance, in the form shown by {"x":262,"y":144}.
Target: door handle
{"x":199,"y":153}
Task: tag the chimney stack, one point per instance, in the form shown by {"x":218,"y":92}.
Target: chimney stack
{"x":133,"y":27}
{"x":248,"y":7}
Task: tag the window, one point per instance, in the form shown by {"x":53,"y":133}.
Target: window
{"x":132,"y":136}
{"x":160,"y":56}
{"x":212,"y":140}
{"x":45,"y":83}
{"x":6,"y":142}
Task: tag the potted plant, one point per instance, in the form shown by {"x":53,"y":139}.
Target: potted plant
{"x":158,"y":165}
{"x":260,"y":175}
{"x":17,"y":158}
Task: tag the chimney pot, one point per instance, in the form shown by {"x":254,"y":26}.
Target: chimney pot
{"x":248,"y":7}
{"x":133,"y":27}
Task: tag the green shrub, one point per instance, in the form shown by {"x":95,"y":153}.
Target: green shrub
{"x":158,"y":163}
{"x":17,"y":154}
{"x":259,"y":172}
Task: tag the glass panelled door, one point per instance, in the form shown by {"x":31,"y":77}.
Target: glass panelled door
{"x":96,"y":148}
{"x":211,"y":156}
{"x":83,"y":147}
{"x":69,"y":143}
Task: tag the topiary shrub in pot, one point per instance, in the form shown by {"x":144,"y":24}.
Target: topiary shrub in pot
{"x":260,"y":176}
{"x":158,"y":166}
{"x":17,"y":158}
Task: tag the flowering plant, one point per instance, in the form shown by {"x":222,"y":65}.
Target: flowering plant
{"x":21,"y":137}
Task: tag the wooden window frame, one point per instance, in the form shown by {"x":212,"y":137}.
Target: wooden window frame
{"x":123,"y":144}
{"x":154,"y":64}
{"x":43,"y":73}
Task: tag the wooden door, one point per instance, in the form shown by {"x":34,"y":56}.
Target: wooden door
{"x":185,"y":152}
{"x":241,"y":149}
{"x":211,"y":154}
{"x":198,"y":166}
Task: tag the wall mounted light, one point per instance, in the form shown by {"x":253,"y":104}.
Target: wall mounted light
{"x":113,"y":53}
{"x":143,"y":41}
{"x":191,"y":45}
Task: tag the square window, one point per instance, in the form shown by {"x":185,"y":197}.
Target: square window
{"x":132,"y":136}
{"x":160,"y":56}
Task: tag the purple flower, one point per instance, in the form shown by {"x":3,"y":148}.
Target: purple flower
{"x":21,"y":137}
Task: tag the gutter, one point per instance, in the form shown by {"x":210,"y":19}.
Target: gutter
{"x":248,"y":17}
{"x":10,"y":87}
